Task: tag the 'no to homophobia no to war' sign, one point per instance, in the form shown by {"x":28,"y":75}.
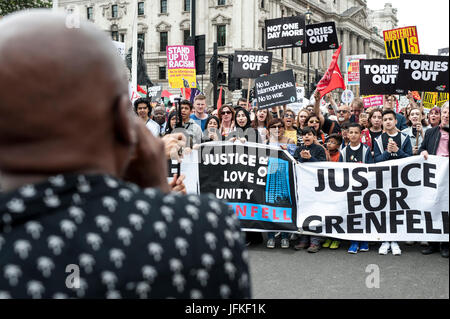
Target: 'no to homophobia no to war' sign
{"x":251,"y":64}
{"x":181,"y":66}
{"x":378,"y":76}
{"x":427,"y":73}
{"x":276,"y":89}
{"x":321,"y":36}
{"x":285,"y":32}
{"x":402,"y":40}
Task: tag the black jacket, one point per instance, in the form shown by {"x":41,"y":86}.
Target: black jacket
{"x":431,"y":140}
{"x":317,"y":153}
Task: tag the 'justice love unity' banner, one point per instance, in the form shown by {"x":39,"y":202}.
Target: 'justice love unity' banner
{"x":401,"y":200}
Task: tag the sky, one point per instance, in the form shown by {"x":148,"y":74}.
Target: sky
{"x":431,"y":17}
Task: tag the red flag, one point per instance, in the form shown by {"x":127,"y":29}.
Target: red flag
{"x":186,"y":93}
{"x":166,"y":93}
{"x":332,"y":79}
{"x":141,"y":90}
{"x":219,"y":100}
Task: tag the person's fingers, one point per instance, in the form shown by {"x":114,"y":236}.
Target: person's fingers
{"x":180,"y":179}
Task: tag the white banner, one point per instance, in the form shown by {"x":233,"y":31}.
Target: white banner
{"x":401,"y":200}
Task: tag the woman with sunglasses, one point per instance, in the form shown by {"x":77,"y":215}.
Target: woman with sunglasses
{"x":314,"y":122}
{"x":226,"y":117}
{"x":261,"y":123}
{"x":277,"y":138}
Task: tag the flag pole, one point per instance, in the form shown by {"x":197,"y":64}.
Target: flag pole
{"x":134,"y":46}
{"x":248,"y":90}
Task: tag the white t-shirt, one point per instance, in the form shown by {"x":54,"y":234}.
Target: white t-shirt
{"x":153,"y":127}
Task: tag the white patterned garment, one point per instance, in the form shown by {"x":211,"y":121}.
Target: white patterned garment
{"x":81,"y":236}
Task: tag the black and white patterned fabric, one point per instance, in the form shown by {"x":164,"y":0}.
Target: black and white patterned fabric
{"x":128,"y":242}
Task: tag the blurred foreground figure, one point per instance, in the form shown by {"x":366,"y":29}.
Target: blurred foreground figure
{"x":86,"y":210}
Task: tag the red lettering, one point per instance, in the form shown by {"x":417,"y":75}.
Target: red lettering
{"x":265,"y":213}
{"x":285,"y":215}
{"x":275,"y":214}
{"x":254,"y":211}
{"x":240,"y":211}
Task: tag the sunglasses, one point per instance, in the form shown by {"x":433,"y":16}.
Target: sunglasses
{"x":226,"y":112}
{"x":342,"y":111}
{"x":313,"y":121}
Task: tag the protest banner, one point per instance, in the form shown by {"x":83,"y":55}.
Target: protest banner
{"x":352,"y":64}
{"x":401,"y":200}
{"x":251,"y":64}
{"x":378,"y":76}
{"x":257,"y":181}
{"x":429,"y":100}
{"x":373,"y":101}
{"x":181,"y":66}
{"x":286,"y":32}
{"x":320,"y":36}
{"x":276,"y":89}
{"x":442,"y":98}
{"x":120,"y":46}
{"x":427,"y":73}
{"x":401,"y":40}
{"x":347,"y":96}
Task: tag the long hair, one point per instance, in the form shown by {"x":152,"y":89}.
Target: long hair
{"x":266,"y":121}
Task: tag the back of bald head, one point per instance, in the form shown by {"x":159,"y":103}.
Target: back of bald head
{"x":60,"y":88}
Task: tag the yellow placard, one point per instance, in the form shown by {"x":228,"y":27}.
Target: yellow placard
{"x":402,"y":40}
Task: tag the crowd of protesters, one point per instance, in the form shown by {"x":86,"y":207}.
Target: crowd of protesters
{"x":337,"y":132}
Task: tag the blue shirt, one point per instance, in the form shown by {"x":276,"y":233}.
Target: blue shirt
{"x":201,"y":123}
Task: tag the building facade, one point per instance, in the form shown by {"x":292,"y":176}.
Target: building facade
{"x":237,"y":25}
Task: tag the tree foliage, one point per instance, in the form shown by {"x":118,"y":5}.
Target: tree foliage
{"x":8,"y":6}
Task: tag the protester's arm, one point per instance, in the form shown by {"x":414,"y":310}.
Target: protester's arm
{"x":380,"y":155}
{"x":369,"y":158}
{"x":317,"y":107}
{"x":177,"y":184}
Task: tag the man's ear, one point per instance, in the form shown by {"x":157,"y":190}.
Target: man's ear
{"x":124,"y":126}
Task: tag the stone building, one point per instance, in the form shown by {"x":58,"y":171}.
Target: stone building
{"x":237,"y":25}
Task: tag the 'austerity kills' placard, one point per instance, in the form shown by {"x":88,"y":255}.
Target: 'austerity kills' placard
{"x":402,"y":40}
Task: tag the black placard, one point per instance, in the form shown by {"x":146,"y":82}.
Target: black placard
{"x":276,"y":89}
{"x":251,"y":64}
{"x":285,"y":32}
{"x":427,"y":73}
{"x":320,"y":37}
{"x":378,"y":76}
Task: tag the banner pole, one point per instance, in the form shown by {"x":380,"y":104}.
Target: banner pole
{"x":248,"y":90}
{"x":284,"y":59}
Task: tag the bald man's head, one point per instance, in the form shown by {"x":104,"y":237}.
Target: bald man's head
{"x":63,"y":96}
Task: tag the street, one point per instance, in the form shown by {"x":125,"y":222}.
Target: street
{"x":335,"y":274}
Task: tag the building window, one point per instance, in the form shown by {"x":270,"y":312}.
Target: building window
{"x":262,"y":3}
{"x":141,"y":11}
{"x":114,"y":11}
{"x":115,"y":35}
{"x":122,"y":37}
{"x":221,"y":35}
{"x":186,"y":36}
{"x":90,"y":13}
{"x":162,"y":72}
{"x":187,"y":5}
{"x":142,"y":37}
{"x":163,"y":41}
{"x":163,"y":6}
{"x":221,"y":2}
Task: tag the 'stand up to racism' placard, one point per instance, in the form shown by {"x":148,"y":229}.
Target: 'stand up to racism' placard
{"x":181,"y":66}
{"x":427,"y":73}
{"x":321,"y":36}
{"x":276,"y":89}
{"x":256,"y":181}
{"x":402,"y":40}
{"x":251,"y":64}
{"x":285,"y":32}
{"x":378,"y":76}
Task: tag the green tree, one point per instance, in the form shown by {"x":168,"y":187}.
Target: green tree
{"x":8,"y":6}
